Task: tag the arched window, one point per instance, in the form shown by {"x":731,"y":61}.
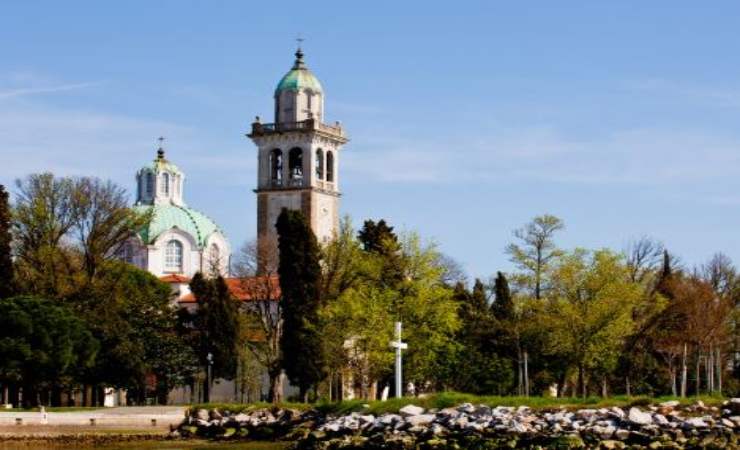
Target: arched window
{"x":126,"y":253}
{"x":150,"y":183}
{"x":330,"y":167}
{"x":276,"y":166}
{"x":295,"y":163}
{"x":320,"y":164}
{"x":165,"y":188}
{"x":173,"y":256}
{"x":214,"y":258}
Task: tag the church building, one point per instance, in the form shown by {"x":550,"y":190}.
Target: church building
{"x":298,"y":168}
{"x":179,"y":241}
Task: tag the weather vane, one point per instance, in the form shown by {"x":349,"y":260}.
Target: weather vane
{"x":300,"y":40}
{"x":161,"y":141}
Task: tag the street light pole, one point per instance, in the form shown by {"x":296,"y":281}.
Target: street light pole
{"x":209,"y":358}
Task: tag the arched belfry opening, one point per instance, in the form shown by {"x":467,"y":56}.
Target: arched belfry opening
{"x":295,"y":164}
{"x":330,"y":167}
{"x":319,"y":164}
{"x":276,"y":166}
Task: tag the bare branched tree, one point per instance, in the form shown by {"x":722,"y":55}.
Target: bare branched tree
{"x":720,"y":273}
{"x":105,"y":221}
{"x":262,"y":311}
{"x":644,"y":256}
{"x":452,"y":271}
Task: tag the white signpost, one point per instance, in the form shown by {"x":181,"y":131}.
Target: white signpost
{"x":399,"y":346}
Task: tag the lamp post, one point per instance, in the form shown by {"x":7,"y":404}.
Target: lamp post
{"x":399,"y":346}
{"x":209,"y":358}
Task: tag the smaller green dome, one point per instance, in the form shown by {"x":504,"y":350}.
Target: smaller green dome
{"x":168,"y":216}
{"x":299,"y":77}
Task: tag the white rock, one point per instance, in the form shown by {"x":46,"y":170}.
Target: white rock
{"x":728,"y":423}
{"x":241,"y":418}
{"x":437,"y":429}
{"x":619,"y":412}
{"x":660,"y":419}
{"x":670,"y":404}
{"x":694,"y":422}
{"x":466,"y":408}
{"x":518,"y":427}
{"x":622,"y":434}
{"x":419,"y":420}
{"x":639,"y":418}
{"x":411,"y":410}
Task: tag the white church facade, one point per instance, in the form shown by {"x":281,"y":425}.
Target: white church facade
{"x":179,"y":241}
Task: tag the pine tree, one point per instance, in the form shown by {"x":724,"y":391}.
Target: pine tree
{"x":377,"y":237}
{"x":503,"y":305}
{"x":300,"y":275}
{"x":6,"y":262}
{"x":380,"y":240}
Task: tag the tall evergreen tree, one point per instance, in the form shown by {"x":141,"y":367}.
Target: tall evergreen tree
{"x":300,"y":276}
{"x":478,"y":367}
{"x":503,"y":305}
{"x":6,"y":263}
{"x":216,"y":328}
{"x":376,"y":237}
{"x":379,"y":239}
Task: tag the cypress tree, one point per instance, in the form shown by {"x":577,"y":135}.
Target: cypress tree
{"x":216,"y":323}
{"x":6,"y":261}
{"x":503,"y":305}
{"x":300,"y":275}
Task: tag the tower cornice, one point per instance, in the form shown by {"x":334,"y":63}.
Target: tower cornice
{"x":307,"y":127}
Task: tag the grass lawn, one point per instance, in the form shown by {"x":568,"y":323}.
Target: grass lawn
{"x":449,"y":399}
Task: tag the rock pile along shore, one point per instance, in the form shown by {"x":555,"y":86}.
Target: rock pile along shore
{"x":666,"y":425}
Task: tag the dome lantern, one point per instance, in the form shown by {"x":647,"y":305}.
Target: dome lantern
{"x":299,"y":95}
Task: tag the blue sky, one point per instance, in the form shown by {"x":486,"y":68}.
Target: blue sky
{"x":466,"y":118}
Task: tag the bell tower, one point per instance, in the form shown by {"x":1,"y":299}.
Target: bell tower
{"x":298,"y":160}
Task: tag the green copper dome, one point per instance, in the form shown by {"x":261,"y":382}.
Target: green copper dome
{"x":298,"y":78}
{"x":166,"y":217}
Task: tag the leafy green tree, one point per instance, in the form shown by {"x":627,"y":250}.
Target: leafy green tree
{"x":300,"y":277}
{"x":7,"y":280}
{"x":536,"y":252}
{"x":130,"y":312}
{"x":358,"y":323}
{"x":42,"y":345}
{"x":591,"y":311}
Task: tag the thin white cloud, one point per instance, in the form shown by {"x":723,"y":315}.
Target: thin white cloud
{"x":26,"y":91}
{"x":648,"y":156}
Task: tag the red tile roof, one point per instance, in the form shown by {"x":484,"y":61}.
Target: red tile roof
{"x":175,"y":278}
{"x":247,"y":289}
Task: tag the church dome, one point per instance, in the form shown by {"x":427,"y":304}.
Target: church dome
{"x":299,"y":77}
{"x":169,"y":216}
